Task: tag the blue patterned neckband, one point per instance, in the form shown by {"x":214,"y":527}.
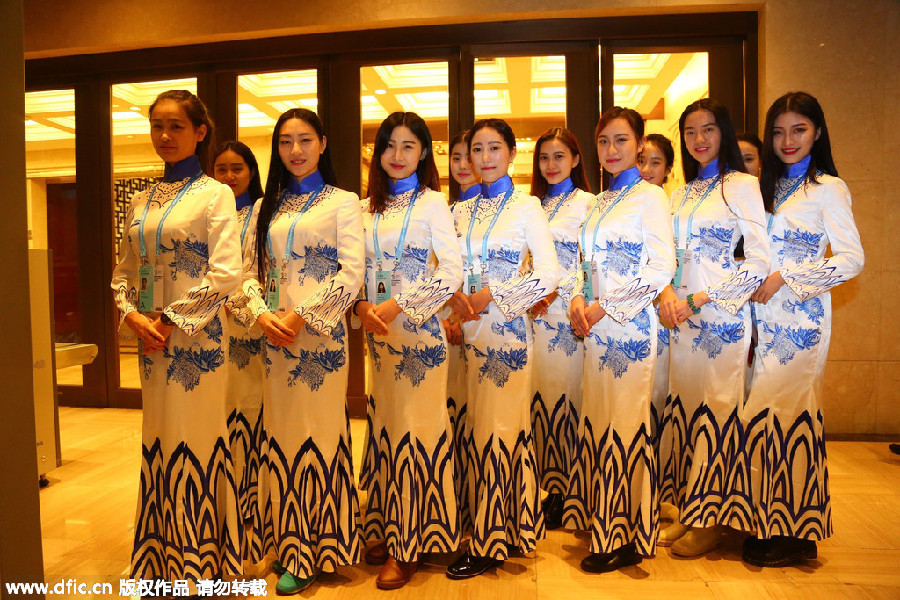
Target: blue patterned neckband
{"x":309,"y":183}
{"x":470,"y":193}
{"x":401,"y":186}
{"x":183,"y":169}
{"x":798,"y":168}
{"x":710,"y":170}
{"x":501,"y":186}
{"x":243,"y":200}
{"x":563,"y":187}
{"x":624,"y":179}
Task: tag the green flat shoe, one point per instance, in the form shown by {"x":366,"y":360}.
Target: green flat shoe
{"x":278,"y":568}
{"x":290,"y":584}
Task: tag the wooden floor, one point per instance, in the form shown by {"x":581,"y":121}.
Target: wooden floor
{"x":88,"y":513}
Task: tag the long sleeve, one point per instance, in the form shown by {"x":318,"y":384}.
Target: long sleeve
{"x":325,"y":307}
{"x":126,"y":270}
{"x":517,"y":295}
{"x":809,"y":279}
{"x":199,"y":304}
{"x":424,"y":298}
{"x":745,"y":202}
{"x":248,"y":303}
{"x":623,"y":303}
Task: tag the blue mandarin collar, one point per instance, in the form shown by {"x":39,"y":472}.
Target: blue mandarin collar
{"x":798,"y":169}
{"x":309,"y":183}
{"x":470,"y":193}
{"x":563,"y":187}
{"x":625,"y":178}
{"x":501,"y":186}
{"x":710,"y":170}
{"x":183,"y":169}
{"x":401,"y":186}
{"x":243,"y":200}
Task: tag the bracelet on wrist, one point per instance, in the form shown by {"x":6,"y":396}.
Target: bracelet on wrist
{"x":691,"y":305}
{"x":355,"y":306}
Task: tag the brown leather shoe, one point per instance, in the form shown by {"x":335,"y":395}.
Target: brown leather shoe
{"x":376,"y":552}
{"x":395,"y":574}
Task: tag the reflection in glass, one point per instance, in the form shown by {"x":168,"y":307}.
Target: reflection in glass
{"x":422,"y":88}
{"x":529,"y":92}
{"x":52,"y":208}
{"x":660,"y":86}
{"x":262,"y":98}
{"x":135,"y":167}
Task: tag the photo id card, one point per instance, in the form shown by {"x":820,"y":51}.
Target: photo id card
{"x":591,"y":288}
{"x":150,"y":296}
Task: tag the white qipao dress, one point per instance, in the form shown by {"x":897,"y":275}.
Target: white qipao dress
{"x":627,"y":244}
{"x":245,"y":394}
{"x":704,"y":471}
{"x":187,"y":524}
{"x":306,"y":487}
{"x":408,"y":468}
{"x":558,"y":353}
{"x":497,"y":231}
{"x":457,"y":384}
{"x":783,"y":416}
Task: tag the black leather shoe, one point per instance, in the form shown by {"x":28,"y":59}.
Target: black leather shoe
{"x":895,"y":448}
{"x":779,"y":551}
{"x":553,"y":511}
{"x":604,"y":562}
{"x":467,"y":566}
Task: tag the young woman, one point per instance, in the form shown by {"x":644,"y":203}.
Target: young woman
{"x":705,"y":474}
{"x":751,"y":150}
{"x":407,"y":471}
{"x":558,"y":179}
{"x":627,"y":256}
{"x":469,"y":186}
{"x":809,"y":210}
{"x":497,"y":231}
{"x":308,"y":252}
{"x":235,"y":166}
{"x":656,"y":160}
{"x":179,"y":260}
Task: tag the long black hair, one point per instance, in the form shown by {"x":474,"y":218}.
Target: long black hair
{"x":729,"y":151}
{"x":198,"y":115}
{"x":665,"y":146}
{"x":279,"y":178}
{"x":820,"y":155}
{"x":241,"y":149}
{"x":426,"y":170}
{"x":539,"y":185}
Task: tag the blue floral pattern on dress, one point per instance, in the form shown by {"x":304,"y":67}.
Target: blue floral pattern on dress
{"x":567,"y":254}
{"x":499,"y":363}
{"x":213,"y":329}
{"x":320,"y":262}
{"x":713,"y":336}
{"x":373,"y":348}
{"x":812,"y":308}
{"x":642,"y":322}
{"x":621,"y":353}
{"x":798,"y":245}
{"x":191,"y":257}
{"x":241,"y":350}
{"x":503,"y":264}
{"x":787,"y":341}
{"x":516,"y":327}
{"x":564,"y":339}
{"x":313,"y":365}
{"x":431,"y":326}
{"x":413,"y":263}
{"x":417,"y":360}
{"x":146,"y":364}
{"x":622,"y":256}
{"x":662,"y":340}
{"x":714,"y":244}
{"x":188,"y":364}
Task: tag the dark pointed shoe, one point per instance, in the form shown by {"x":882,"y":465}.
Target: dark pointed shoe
{"x":376,"y":553}
{"x":604,"y":562}
{"x":779,"y":551}
{"x":553,"y":511}
{"x":467,"y":566}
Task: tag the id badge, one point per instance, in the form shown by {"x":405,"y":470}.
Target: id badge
{"x":591,"y":288}
{"x":145,"y":294}
{"x":682,"y":256}
{"x":383,"y":281}
{"x":158,"y":304}
{"x":273,"y":289}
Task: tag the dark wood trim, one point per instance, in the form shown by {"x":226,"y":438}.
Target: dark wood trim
{"x":583,"y":106}
{"x":285,"y":50}
{"x":225,"y":111}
